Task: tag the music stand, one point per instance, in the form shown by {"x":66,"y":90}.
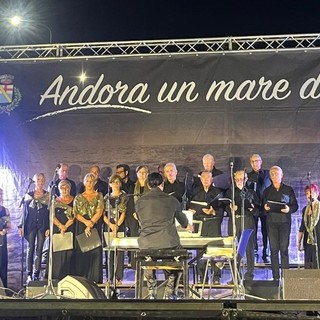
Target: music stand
{"x":109,"y":294}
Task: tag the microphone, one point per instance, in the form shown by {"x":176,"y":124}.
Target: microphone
{"x":231,"y":164}
{"x":31,"y":180}
{"x":309,"y":175}
{"x":58,"y":166}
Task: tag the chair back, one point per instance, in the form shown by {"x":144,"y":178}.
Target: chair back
{"x":243,"y":242}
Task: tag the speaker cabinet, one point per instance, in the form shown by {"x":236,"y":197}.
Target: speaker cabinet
{"x":301,"y":284}
{"x":267,"y":289}
{"x":79,"y":288}
{"x":35,"y":289}
{"x":2,"y":290}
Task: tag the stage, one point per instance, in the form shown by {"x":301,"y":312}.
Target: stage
{"x":160,"y":309}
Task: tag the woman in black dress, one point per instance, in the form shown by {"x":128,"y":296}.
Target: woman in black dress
{"x":116,"y":207}
{"x":35,"y":225}
{"x":88,"y":208}
{"x":62,"y":223}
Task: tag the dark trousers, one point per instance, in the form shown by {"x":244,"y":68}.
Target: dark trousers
{"x":4,"y":262}
{"x":172,"y":282}
{"x":172,"y":279}
{"x":264,"y":233}
{"x":279,"y":237}
{"x":35,"y":240}
{"x":118,"y":263}
{"x":133,"y":230}
{"x":311,"y":260}
{"x":210,"y":228}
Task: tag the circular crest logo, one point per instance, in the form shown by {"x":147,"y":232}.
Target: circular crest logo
{"x":10,"y":96}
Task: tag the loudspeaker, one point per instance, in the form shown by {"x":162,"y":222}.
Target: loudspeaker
{"x":38,"y":288}
{"x":267,"y":289}
{"x":79,"y":288}
{"x":301,"y":284}
{"x":2,"y":290}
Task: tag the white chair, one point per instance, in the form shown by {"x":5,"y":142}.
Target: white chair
{"x":225,"y":254}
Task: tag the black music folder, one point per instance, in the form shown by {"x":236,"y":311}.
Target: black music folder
{"x":89,"y":243}
{"x":276,"y":206}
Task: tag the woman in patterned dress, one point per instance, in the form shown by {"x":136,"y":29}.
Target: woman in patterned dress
{"x":88,"y":208}
{"x":62,"y":223}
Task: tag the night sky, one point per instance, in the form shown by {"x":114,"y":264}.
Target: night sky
{"x":116,"y":20}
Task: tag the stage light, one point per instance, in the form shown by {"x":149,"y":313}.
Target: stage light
{"x":82,"y":77}
{"x":28,"y":25}
{"x":15,"y":21}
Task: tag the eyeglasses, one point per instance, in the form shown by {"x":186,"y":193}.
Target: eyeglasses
{"x":115,"y":182}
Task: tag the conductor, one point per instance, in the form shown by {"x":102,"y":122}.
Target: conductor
{"x":157,"y":211}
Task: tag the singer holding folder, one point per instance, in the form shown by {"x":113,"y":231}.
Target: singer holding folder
{"x":279,"y":202}
{"x":63,"y":223}
{"x":88,"y":208}
{"x":206,"y":207}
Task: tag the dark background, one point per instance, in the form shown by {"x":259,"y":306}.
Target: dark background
{"x":114,"y":20}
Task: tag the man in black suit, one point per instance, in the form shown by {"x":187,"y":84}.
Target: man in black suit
{"x":259,"y":180}
{"x":157,"y":211}
{"x":63,"y":172}
{"x":208,"y":162}
{"x":99,"y":185}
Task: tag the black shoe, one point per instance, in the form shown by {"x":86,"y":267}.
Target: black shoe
{"x":265,"y":260}
{"x":216,"y":280}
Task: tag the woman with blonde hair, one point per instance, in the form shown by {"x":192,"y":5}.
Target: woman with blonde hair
{"x":141,"y":186}
{"x":62,"y":223}
{"x":88,"y":208}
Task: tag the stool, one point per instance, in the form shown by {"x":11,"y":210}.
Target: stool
{"x":162,"y":259}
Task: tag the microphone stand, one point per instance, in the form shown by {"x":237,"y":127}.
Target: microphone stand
{"x":108,"y":287}
{"x":115,"y":255}
{"x":22,"y":228}
{"x":184,"y":197}
{"x":50,"y":288}
{"x":236,"y":290}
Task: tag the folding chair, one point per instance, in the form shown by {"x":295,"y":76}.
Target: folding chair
{"x":216,"y":254}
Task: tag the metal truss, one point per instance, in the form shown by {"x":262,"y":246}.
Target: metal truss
{"x":145,"y":48}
